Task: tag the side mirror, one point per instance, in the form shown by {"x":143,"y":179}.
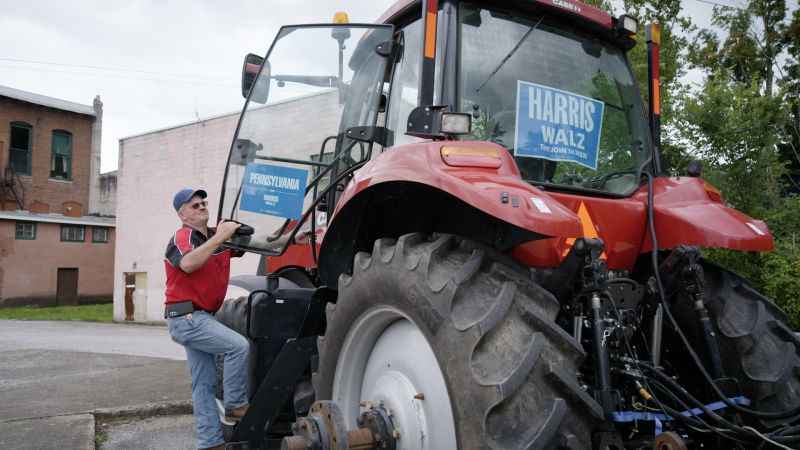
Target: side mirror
{"x":252,"y":64}
{"x":695,"y":168}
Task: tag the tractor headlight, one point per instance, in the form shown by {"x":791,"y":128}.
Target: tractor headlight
{"x":628,"y":23}
{"x":456,"y":123}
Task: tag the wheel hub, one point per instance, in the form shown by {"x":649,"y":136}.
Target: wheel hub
{"x":386,"y":363}
{"x":324,"y":429}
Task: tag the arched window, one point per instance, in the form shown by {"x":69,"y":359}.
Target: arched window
{"x":61,"y":161}
{"x":20,"y":155}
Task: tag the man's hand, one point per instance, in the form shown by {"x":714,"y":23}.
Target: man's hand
{"x":225,"y":230}
{"x":197,"y":257}
{"x":302,"y":238}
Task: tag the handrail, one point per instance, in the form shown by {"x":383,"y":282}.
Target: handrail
{"x":11,"y":181}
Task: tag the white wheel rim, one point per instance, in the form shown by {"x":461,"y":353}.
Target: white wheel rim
{"x":386,"y":360}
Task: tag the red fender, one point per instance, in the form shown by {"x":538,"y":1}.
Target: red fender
{"x":481,"y":187}
{"x":295,"y":255}
{"x":684,"y":213}
{"x":619,"y":222}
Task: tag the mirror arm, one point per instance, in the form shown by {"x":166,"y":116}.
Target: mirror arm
{"x":376,"y":134}
{"x":294,"y":161}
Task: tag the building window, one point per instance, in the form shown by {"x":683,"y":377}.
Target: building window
{"x":72,"y":233}
{"x":61,"y":162}
{"x":20,"y":156}
{"x":26,"y":231}
{"x":100,"y":235}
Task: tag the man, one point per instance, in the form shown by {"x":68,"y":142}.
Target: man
{"x":198,"y":268}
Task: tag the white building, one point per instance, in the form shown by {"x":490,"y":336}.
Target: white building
{"x":154,"y":166}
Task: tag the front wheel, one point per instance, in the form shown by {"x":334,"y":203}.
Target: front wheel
{"x":462,"y":350}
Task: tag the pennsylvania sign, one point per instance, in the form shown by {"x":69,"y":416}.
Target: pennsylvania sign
{"x":274,"y":190}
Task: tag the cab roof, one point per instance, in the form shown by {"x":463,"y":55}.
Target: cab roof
{"x":566,"y":7}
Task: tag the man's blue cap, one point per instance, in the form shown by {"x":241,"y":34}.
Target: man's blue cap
{"x":184,"y":195}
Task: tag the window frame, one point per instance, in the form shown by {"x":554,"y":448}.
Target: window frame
{"x":77,"y":227}
{"x":17,"y":235}
{"x":94,"y":236}
{"x":327,"y":157}
{"x":29,"y":150}
{"x":53,"y":155}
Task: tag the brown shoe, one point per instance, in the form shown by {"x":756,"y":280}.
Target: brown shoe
{"x":216,"y":447}
{"x":236,"y":414}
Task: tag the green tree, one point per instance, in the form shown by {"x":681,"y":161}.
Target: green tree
{"x":761,"y":45}
{"x":739,"y":123}
{"x":675,"y":31}
{"x":732,"y":128}
{"x":777,"y":273}
{"x":790,"y":149}
{"x":736,"y":120}
{"x":755,"y":38}
{"x":676,"y":28}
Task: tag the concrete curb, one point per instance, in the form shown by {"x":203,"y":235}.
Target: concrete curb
{"x":143,"y":411}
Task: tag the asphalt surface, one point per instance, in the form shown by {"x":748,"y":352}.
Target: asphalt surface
{"x":70,"y":385}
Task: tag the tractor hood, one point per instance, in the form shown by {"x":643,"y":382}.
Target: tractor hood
{"x":463,"y":170}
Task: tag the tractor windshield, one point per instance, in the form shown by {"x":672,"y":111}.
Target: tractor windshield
{"x":563,"y":102}
{"x":294,"y":135}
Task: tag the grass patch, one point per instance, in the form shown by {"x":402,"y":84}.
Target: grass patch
{"x":88,"y":313}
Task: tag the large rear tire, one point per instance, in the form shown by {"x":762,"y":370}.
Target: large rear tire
{"x":756,"y":346}
{"x":441,"y":314}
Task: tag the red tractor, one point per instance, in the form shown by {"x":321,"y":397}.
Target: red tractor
{"x":497,"y":258}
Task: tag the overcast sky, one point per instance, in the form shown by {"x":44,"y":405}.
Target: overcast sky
{"x":181,"y":58}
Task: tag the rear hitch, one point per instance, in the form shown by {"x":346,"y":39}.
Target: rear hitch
{"x":594,"y":286}
{"x":584,"y":275}
{"x":583,"y":255}
{"x":325,"y":429}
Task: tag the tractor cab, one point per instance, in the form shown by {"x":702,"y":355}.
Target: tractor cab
{"x":496,"y":258}
{"x":559,"y":99}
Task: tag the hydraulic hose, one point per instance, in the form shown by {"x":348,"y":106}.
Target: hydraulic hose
{"x":740,"y":432}
{"x":700,"y":424}
{"x":633,"y":356}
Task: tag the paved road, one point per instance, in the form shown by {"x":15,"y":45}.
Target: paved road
{"x":112,"y":338}
{"x":54,"y":377}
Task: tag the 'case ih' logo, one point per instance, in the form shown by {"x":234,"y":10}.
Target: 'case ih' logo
{"x":567,"y":5}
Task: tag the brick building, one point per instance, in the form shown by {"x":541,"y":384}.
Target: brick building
{"x":56,"y":233}
{"x":153,"y":166}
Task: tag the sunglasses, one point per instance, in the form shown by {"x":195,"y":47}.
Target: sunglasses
{"x":199,"y":204}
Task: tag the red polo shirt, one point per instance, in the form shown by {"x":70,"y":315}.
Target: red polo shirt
{"x":206,"y":286}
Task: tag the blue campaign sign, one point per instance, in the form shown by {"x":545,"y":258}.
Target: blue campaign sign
{"x":557,"y":125}
{"x":274,"y":190}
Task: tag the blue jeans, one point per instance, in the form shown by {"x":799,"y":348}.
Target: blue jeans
{"x":204,"y":338}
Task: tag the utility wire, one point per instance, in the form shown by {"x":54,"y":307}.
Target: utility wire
{"x":744,"y":130}
{"x":162,"y":80}
{"x":722,"y":5}
{"x":737,"y":7}
{"x":159,"y":80}
{"x":32,"y":61}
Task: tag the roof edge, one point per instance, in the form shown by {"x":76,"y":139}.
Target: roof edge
{"x":26,"y":216}
{"x":43,"y":100}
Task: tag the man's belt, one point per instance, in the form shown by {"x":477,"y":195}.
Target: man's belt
{"x":181,"y":309}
